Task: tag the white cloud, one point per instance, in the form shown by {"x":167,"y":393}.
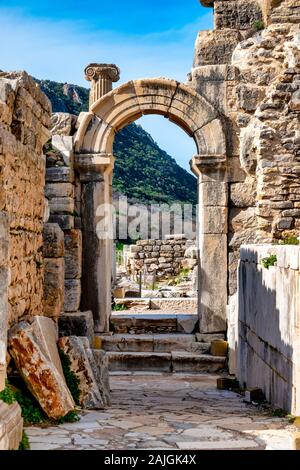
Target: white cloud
{"x":60,"y":50}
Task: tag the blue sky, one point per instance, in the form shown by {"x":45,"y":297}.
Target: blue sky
{"x":56,"y":39}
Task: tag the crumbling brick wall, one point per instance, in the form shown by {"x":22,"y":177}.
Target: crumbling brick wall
{"x":24,"y":122}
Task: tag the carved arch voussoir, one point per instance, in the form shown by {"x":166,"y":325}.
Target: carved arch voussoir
{"x":127,"y":103}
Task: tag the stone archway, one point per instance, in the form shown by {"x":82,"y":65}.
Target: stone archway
{"x":110,"y":111}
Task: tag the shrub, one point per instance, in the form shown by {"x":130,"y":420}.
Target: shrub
{"x":258,"y":25}
{"x":24,"y":444}
{"x":118,"y":307}
{"x":71,"y":379}
{"x":31,"y":411}
{"x":71,"y":417}
{"x":289,"y":241}
{"x":8,"y":395}
{"x":269,"y":261}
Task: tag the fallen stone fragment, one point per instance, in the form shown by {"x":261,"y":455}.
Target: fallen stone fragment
{"x":102,"y":377}
{"x":38,"y":372}
{"x":74,"y":348}
{"x":98,"y":360}
{"x":46,"y":333}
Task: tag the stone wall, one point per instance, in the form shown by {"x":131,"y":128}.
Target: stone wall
{"x":164,"y":258}
{"x":248,"y":67}
{"x":4,"y":280}
{"x":268,"y":333}
{"x":24,"y":120}
{"x":62,"y":233}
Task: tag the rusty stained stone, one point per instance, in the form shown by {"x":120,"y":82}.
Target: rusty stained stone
{"x":40,"y":375}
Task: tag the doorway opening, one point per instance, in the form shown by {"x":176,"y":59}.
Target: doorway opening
{"x":155,"y":260}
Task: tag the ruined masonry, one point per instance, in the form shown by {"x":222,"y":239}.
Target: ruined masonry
{"x":241,"y":105}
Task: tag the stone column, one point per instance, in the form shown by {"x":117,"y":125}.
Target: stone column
{"x":97,"y":235}
{"x":102,"y":77}
{"x":212,"y":240}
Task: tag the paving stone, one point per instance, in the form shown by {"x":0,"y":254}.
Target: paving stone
{"x":167,"y":411}
{"x":43,"y":446}
{"x":217,"y":445}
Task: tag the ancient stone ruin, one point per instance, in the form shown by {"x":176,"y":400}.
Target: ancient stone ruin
{"x":241,"y":105}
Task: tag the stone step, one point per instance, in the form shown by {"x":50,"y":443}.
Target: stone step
{"x":177,"y":361}
{"x":189,"y":362}
{"x":161,"y":343}
{"x":140,"y":323}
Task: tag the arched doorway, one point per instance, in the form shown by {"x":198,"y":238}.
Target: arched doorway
{"x":110,"y":111}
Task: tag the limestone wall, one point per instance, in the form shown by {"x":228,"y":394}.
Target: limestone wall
{"x":248,"y":67}
{"x":164,"y":258}
{"x":268,"y":333}
{"x":4,"y":280}
{"x":24,"y":120}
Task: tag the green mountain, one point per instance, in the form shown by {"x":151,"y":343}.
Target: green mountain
{"x":65,"y":98}
{"x":143,"y":171}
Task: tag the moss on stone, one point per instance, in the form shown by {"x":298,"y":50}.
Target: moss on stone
{"x":71,"y":379}
{"x":24,"y":444}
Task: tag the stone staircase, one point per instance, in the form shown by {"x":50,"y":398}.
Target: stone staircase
{"x":159,"y":343}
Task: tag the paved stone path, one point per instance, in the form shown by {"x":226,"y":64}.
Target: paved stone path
{"x":159,"y":411}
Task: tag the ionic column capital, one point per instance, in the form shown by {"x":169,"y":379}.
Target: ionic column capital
{"x":102,"y":77}
{"x":97,"y":71}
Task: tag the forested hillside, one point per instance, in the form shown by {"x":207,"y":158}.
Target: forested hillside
{"x":143,"y":171}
